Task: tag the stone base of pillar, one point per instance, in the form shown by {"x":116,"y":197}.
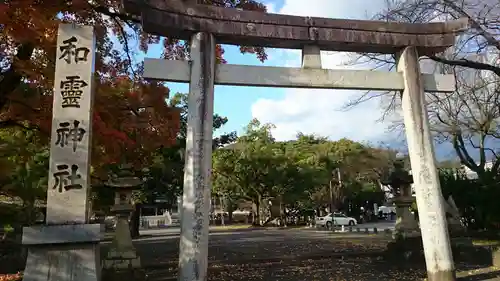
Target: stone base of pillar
{"x":406,"y":224}
{"x":122,"y":267}
{"x":63,"y":252}
{"x":121,"y":258}
{"x":448,"y":275}
{"x":405,"y":249}
{"x":397,"y":235}
{"x":122,"y":263}
{"x":406,"y":227}
{"x":495,"y":257}
{"x":122,"y":253}
{"x":124,"y":275}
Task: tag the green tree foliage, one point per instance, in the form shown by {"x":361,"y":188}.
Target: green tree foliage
{"x":476,"y":199}
{"x":298,"y":175}
{"x":23,"y":176}
{"x":249,"y":164}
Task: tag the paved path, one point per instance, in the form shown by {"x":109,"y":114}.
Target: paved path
{"x":176,"y":230}
{"x":282,"y":255}
{"x":380,"y":225}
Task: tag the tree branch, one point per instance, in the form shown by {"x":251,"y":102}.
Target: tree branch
{"x":490,"y":38}
{"x":468,"y":63}
{"x":485,"y":149}
{"x":459,"y":146}
{"x":11,"y":78}
{"x":27,"y":106}
{"x":128,"y":19}
{"x":125,"y":45}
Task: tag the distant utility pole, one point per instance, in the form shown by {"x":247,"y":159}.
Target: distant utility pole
{"x":331,"y":196}
{"x":339,"y":182}
{"x":222,"y":207}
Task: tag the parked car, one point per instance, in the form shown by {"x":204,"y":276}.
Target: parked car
{"x":335,"y":219}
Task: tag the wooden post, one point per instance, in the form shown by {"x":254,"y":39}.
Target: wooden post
{"x":193,"y":254}
{"x":433,"y":225}
{"x":67,"y":248}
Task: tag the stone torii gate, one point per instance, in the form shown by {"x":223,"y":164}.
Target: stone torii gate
{"x":205,"y":25}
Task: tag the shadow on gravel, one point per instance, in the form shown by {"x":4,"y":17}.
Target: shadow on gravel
{"x":300,"y":259}
{"x":478,"y":276}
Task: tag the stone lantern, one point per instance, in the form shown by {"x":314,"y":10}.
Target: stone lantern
{"x":122,"y":255}
{"x":400,"y":181}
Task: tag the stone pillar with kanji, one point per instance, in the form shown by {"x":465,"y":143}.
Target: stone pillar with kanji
{"x":67,"y":247}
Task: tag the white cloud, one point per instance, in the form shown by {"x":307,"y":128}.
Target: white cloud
{"x":352,"y":9}
{"x":318,"y":111}
{"x":271,"y":8}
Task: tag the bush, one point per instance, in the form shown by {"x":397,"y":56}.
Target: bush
{"x":476,"y":199}
{"x":10,"y":214}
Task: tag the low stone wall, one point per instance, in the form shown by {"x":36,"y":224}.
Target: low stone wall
{"x":148,"y":222}
{"x":359,"y":229}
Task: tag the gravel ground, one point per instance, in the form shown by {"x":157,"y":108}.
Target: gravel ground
{"x":291,"y":255}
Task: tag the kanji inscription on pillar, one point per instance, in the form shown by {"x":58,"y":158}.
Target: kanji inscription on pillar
{"x":69,"y":171}
{"x":72,"y":90}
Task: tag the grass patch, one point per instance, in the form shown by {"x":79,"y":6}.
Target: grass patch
{"x":485,"y":242}
{"x":231,"y":227}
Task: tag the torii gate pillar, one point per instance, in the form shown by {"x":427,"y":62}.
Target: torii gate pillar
{"x":193,"y":254}
{"x":433,"y":226}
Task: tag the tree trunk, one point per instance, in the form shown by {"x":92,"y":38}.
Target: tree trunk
{"x":135,"y":222}
{"x":29,"y":210}
{"x":223,"y":209}
{"x":256,"y":219}
{"x":282,"y":214}
{"x":258,"y":214}
{"x":230,"y":216}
